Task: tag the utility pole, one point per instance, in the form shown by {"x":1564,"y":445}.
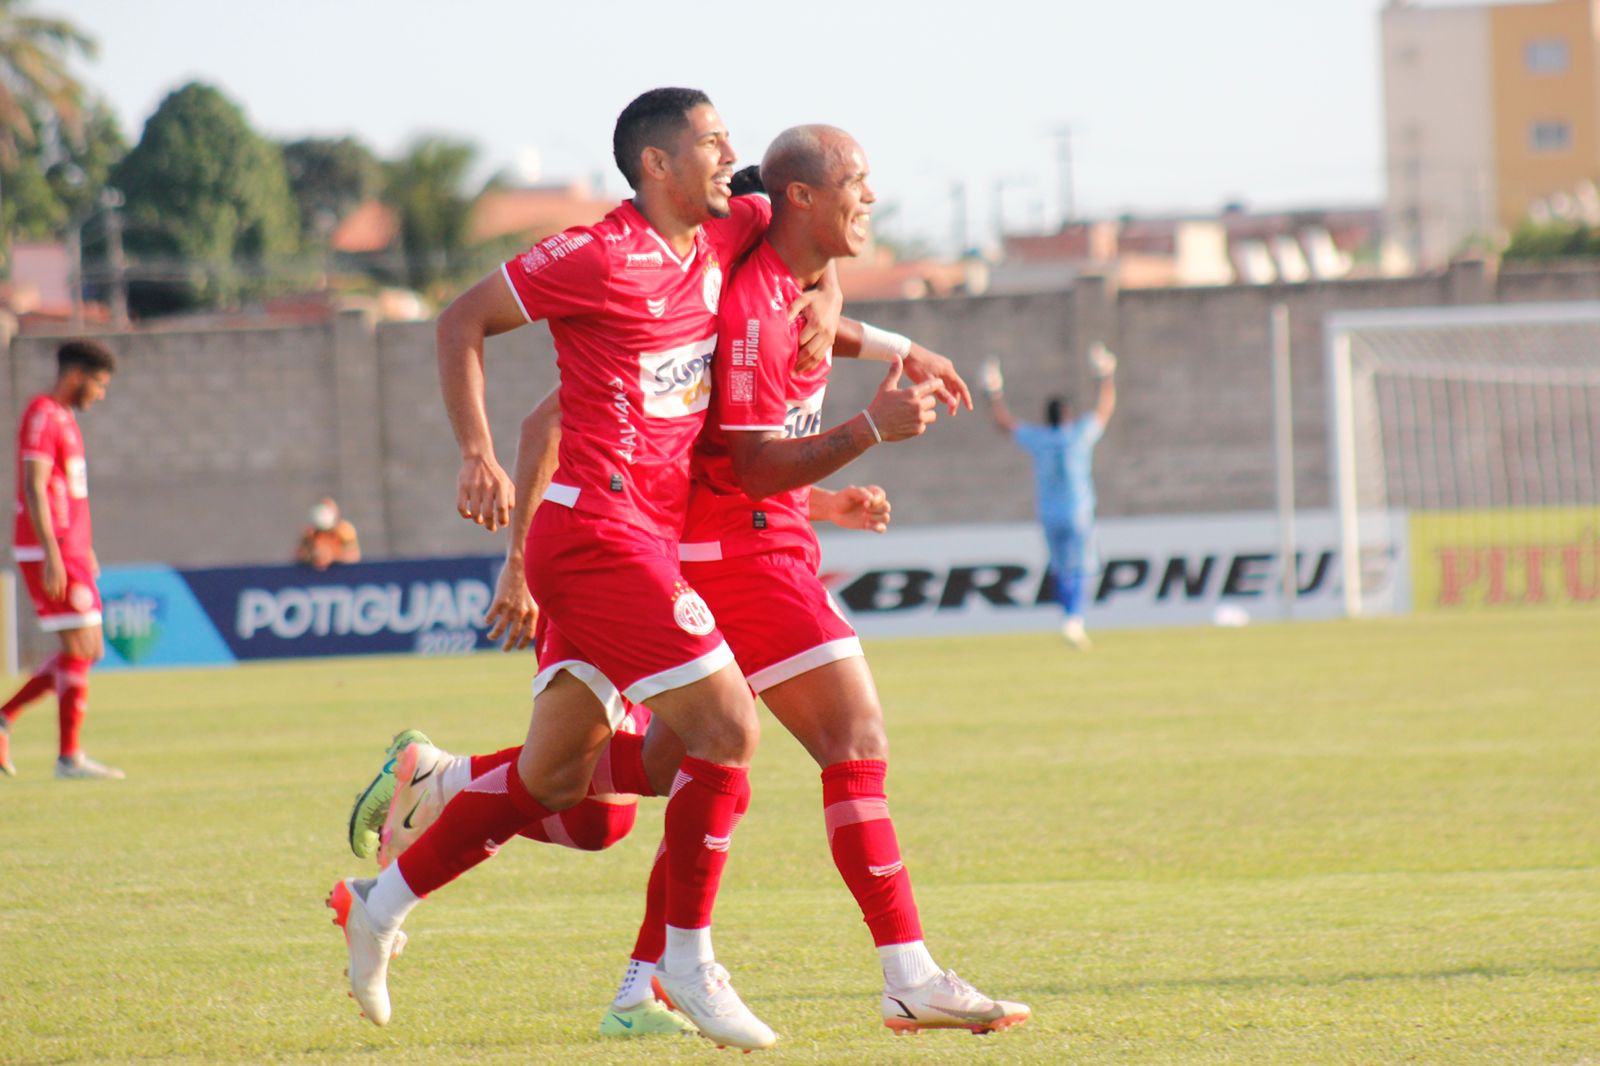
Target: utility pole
{"x":1067,"y":206}
{"x":113,"y":199}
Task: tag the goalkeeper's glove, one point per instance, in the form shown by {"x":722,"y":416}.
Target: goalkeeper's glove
{"x":993,"y":380}
{"x":1102,"y":360}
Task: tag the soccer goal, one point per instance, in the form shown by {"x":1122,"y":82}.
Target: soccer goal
{"x":1468,"y":439}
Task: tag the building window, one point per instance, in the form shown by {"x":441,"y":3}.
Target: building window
{"x":1551,"y":136}
{"x":1546,"y":56}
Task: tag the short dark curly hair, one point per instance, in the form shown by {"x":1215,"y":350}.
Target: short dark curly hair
{"x":91,"y":356}
{"x":651,"y":121}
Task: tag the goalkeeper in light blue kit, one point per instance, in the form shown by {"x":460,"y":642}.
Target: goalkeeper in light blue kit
{"x":1062,"y":451}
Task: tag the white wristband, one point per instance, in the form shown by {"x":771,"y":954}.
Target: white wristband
{"x":881,"y":345}
{"x":872,"y":426}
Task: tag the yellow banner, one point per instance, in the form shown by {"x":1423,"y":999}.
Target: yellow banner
{"x":1535,"y":556}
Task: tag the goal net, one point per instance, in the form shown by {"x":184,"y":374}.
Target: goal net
{"x":1468,"y":440}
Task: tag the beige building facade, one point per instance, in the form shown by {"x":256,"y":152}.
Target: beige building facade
{"x":1491,"y":111}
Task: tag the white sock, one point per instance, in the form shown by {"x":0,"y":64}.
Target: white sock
{"x":687,"y":949}
{"x":635,"y":988}
{"x":390,"y":900}
{"x":456,"y":776}
{"x":907,"y":965}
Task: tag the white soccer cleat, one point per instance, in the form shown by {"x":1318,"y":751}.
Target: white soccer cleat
{"x":418,"y":799}
{"x":370,"y":951}
{"x":1073,"y":633}
{"x":80,"y":767}
{"x":948,"y":1002}
{"x":706,"y":998}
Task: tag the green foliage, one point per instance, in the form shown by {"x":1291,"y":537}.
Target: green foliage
{"x":427,"y":189}
{"x":1369,"y":842}
{"x":34,"y":80}
{"x":54,"y":185}
{"x":207,"y":198}
{"x":328,"y":178}
{"x":1557,"y":239}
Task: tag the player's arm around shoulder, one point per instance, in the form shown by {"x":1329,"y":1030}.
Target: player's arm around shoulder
{"x":852,"y":507}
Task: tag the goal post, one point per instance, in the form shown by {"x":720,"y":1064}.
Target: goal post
{"x":1477,"y":430}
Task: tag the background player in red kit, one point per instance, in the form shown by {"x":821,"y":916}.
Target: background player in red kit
{"x":55,"y":550}
{"x":631,"y":304}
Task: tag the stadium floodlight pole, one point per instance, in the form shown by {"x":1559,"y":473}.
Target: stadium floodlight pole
{"x":1283,"y":452}
{"x":1342,"y":418}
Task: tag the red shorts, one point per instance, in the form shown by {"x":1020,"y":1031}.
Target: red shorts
{"x":775,"y":612}
{"x":79,"y":608}
{"x":634,"y":627}
{"x":551,"y":648}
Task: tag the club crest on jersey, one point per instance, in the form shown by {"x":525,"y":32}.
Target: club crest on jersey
{"x":690,"y":611}
{"x":677,"y":382}
{"x":711,"y":286}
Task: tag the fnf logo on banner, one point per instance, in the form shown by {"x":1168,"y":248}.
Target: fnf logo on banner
{"x":157,"y":616}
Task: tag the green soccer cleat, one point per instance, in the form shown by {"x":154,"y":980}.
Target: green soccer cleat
{"x":650,"y":1018}
{"x":372,"y":803}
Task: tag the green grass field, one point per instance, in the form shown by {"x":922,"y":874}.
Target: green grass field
{"x":1324,"y":843}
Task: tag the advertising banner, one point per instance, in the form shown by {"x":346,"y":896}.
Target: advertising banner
{"x":1497,"y":559}
{"x":158,"y":616}
{"x":1167,"y":570}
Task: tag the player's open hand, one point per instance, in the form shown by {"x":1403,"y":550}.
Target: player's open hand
{"x":512,"y":615}
{"x":861,"y":507}
{"x":55,"y":578}
{"x":901,"y":414}
{"x":925,"y":365}
{"x":822,"y":308}
{"x":484,"y":494}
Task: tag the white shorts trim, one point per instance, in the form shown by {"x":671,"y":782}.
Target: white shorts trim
{"x":26,"y":554}
{"x":515,"y":295}
{"x":679,"y":676}
{"x":565,"y":495}
{"x":795,"y":665}
{"x":57,"y":622}
{"x":593,"y":680}
{"x":701,"y":551}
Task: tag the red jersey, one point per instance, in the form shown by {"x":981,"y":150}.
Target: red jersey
{"x":49,"y":432}
{"x":756,"y":388}
{"x":635,"y":329}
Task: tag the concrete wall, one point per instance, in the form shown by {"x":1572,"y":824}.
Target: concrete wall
{"x":212,"y":445}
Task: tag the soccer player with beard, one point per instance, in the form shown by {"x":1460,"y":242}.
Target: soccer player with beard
{"x":631,"y":303}
{"x":749,"y":548}
{"x":55,"y":551}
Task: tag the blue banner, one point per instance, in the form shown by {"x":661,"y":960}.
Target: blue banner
{"x":158,"y":616}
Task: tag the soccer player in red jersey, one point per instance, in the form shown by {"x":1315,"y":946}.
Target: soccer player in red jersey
{"x":749,"y":548}
{"x":631,"y":303}
{"x":55,"y":550}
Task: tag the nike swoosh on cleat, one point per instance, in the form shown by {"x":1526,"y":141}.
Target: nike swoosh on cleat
{"x":407,"y":820}
{"x":415,"y":778}
{"x":905,"y":1011}
{"x":625,"y":1023}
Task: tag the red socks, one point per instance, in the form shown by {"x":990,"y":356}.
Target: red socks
{"x":865,"y":849}
{"x":42,"y":681}
{"x":471,"y":828}
{"x":482,"y":764}
{"x":590,"y":826}
{"x":700,"y":820}
{"x":72,"y":700}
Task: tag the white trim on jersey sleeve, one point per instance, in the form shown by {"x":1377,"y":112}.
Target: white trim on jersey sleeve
{"x":515,"y":295}
{"x":564,"y":495}
{"x":25,"y":553}
{"x":700,"y":551}
{"x":37,"y":457}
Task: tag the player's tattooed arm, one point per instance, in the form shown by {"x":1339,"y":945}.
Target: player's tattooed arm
{"x":766,"y":463}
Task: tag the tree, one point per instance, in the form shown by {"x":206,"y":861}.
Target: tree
{"x":426,"y":190}
{"x":52,"y":188}
{"x":208,"y":204}
{"x":1553,"y":239}
{"x":327,"y":179}
{"x":41,"y":103}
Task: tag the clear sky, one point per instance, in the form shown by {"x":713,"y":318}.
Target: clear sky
{"x":1172,"y":104}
